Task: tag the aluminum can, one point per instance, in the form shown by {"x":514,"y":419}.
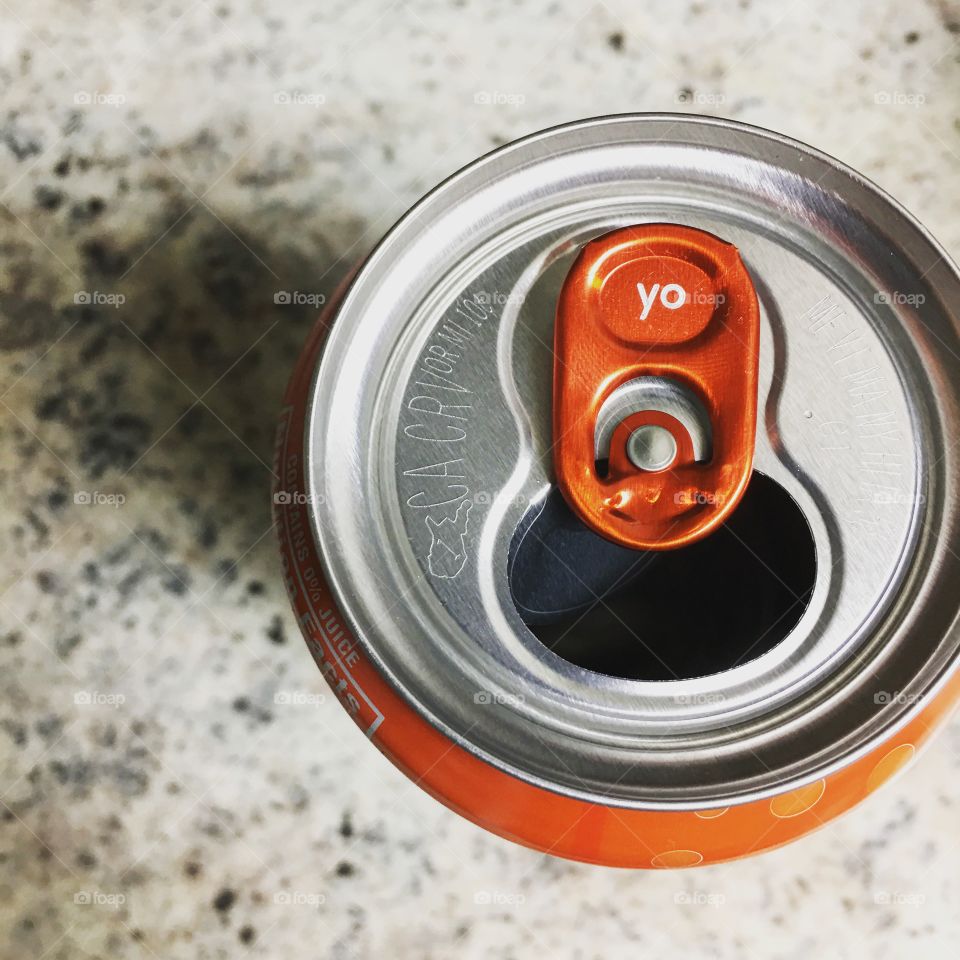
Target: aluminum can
{"x":615,"y":694}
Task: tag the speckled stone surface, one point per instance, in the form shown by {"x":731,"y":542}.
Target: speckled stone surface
{"x":174,"y":781}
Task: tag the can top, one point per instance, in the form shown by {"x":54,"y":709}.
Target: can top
{"x":746,"y":666}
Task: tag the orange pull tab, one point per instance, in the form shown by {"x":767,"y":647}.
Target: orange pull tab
{"x":655,"y":384}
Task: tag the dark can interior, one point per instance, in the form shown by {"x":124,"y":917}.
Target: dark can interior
{"x":665,"y":615}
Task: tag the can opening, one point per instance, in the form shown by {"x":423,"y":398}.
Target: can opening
{"x":666,"y":615}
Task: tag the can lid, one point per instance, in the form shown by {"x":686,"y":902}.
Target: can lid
{"x":812,"y":625}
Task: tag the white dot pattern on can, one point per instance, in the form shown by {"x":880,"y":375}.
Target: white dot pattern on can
{"x":711,"y":814}
{"x":677,"y":858}
{"x":890,"y":764}
{"x":797,"y":801}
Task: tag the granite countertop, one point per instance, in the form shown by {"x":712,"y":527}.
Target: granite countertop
{"x":174,"y":782}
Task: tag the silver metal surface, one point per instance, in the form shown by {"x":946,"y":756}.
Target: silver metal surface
{"x":429,"y":438}
{"x":654,"y":393}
